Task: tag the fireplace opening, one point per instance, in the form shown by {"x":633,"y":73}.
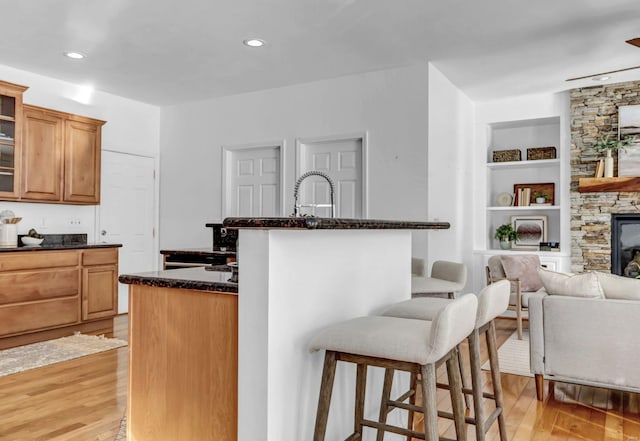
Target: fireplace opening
{"x":625,"y":244}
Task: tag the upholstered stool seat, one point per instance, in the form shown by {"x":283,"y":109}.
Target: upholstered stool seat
{"x":492,"y":301}
{"x":416,"y":346}
{"x":446,"y":278}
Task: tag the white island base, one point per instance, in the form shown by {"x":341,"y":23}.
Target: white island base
{"x":294,"y":282}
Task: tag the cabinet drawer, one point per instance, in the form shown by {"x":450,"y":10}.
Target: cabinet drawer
{"x":25,"y":260}
{"x":103,"y":256}
{"x":34,"y":316}
{"x":26,"y":286}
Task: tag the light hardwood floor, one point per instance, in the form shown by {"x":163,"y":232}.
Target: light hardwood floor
{"x":85,"y":399}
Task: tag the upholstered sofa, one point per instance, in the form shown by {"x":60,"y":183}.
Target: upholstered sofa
{"x":585,"y":329}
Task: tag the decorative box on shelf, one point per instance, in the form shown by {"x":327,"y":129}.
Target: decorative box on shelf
{"x":537,"y":153}
{"x":549,"y":246}
{"x":507,"y":155}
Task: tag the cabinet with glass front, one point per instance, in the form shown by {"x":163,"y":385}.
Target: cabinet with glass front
{"x":10,"y":138}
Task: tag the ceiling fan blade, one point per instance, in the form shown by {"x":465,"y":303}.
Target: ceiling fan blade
{"x":634,"y":41}
{"x":603,"y":73}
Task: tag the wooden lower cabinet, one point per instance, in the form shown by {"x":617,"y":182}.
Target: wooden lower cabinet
{"x":49,"y":294}
{"x":99,"y":283}
{"x":183,"y":365}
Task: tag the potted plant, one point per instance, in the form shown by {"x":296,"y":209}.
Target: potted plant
{"x":540,"y":197}
{"x":506,"y":235}
{"x":608,"y":143}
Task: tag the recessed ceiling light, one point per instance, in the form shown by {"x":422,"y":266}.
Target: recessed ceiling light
{"x":601,"y":78}
{"x":254,"y":42}
{"x":74,"y":55}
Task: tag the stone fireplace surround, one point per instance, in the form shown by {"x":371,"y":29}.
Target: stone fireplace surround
{"x":594,"y":110}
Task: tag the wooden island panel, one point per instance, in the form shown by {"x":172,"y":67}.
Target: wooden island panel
{"x":183,"y":367}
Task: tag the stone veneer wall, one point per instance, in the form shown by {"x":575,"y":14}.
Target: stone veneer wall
{"x":594,"y":110}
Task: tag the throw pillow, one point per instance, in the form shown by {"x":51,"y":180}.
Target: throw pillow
{"x":523,"y":267}
{"x":618,"y":287}
{"x":576,"y":285}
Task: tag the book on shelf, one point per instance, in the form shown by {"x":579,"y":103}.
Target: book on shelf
{"x":600,"y":169}
{"x":523,"y":197}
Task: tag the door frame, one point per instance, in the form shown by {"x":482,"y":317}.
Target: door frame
{"x":156,"y":207}
{"x":364,"y":141}
{"x":227,"y":155}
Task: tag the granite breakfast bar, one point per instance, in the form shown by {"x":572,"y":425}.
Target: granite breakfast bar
{"x":297,"y":275}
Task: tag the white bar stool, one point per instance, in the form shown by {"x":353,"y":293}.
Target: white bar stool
{"x":415,"y":346}
{"x":492,"y":301}
{"x":446,"y":278}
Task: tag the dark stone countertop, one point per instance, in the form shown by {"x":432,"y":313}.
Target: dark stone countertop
{"x":323,"y":223}
{"x":200,"y":252}
{"x":184,"y":278}
{"x":57,"y":247}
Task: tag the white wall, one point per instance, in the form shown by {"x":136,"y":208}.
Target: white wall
{"x":390,"y":105}
{"x":132,"y":127}
{"x":450,"y":170}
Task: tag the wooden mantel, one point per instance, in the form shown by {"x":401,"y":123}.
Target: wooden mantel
{"x":627,"y":183}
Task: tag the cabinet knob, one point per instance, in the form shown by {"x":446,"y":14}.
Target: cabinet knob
{"x":103,"y":232}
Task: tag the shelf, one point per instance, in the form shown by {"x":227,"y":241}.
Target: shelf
{"x":627,"y":183}
{"x":7,"y":118}
{"x":524,"y":164}
{"x":526,"y":208}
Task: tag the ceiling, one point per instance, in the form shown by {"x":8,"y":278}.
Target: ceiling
{"x":165,"y":52}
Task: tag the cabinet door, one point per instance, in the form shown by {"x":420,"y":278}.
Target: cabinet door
{"x":99,"y":292}
{"x":42,"y":155}
{"x":82,"y":162}
{"x":10,"y":139}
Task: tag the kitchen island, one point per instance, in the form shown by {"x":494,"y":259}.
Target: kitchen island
{"x":183,"y":355}
{"x":296,"y":276}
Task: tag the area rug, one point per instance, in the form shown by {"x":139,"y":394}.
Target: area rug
{"x":44,"y":353}
{"x":122,"y":433}
{"x":513,"y":356}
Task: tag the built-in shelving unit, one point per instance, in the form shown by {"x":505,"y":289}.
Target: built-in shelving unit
{"x":521,"y":124}
{"x":502,"y":177}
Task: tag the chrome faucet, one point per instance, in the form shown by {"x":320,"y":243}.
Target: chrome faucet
{"x":296,"y":206}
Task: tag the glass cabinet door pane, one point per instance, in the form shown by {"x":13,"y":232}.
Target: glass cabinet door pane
{"x":7,"y":131}
{"x":7,"y":106}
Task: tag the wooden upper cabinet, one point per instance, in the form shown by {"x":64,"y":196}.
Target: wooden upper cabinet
{"x":42,"y":154}
{"x":10,"y":139}
{"x":82,"y":160}
{"x":61,"y":157}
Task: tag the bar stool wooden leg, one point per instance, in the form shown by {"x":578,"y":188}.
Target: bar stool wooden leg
{"x":465,"y":385}
{"x":413,"y":384}
{"x":384,"y":402}
{"x":495,"y":378}
{"x":361,"y":384}
{"x":326,"y":389}
{"x":476,"y":381}
{"x":429,"y":402}
{"x":455,"y":389}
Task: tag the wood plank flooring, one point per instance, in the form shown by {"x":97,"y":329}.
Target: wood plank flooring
{"x":85,"y":399}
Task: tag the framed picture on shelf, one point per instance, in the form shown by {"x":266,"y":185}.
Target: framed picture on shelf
{"x":531,"y":231}
{"x":546,"y":188}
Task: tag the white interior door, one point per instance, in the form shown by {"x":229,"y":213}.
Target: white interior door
{"x":252,"y":181}
{"x":127,"y":214}
{"x":343,"y":161}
